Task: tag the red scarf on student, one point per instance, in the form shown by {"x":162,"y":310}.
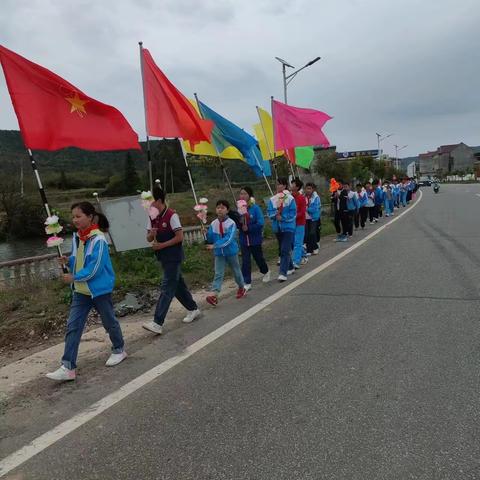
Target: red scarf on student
{"x":84,"y":235}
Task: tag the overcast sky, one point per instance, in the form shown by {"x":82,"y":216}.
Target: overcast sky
{"x":411,"y":67}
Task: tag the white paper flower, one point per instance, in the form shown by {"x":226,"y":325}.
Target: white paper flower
{"x":52,"y":220}
{"x":203,"y":200}
{"x":146,"y":195}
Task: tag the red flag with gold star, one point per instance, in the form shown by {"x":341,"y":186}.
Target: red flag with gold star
{"x":53,"y":114}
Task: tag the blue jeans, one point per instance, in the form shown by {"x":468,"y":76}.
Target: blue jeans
{"x":257,"y":253}
{"x":298,"y":244}
{"x":403,"y":198}
{"x":173,"y":285}
{"x":285,"y":241}
{"x":388,"y":206}
{"x":220,"y":263}
{"x":79,"y":310}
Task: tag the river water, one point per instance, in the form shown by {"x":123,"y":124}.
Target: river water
{"x":29,"y":248}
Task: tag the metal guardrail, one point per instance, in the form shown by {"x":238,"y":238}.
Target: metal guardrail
{"x":44,"y":267}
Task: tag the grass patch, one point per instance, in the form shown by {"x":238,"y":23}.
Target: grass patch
{"x":32,"y":312}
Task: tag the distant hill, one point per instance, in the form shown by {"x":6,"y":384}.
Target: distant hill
{"x":101,"y":166}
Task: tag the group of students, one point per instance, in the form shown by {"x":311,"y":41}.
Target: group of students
{"x":368,"y":202}
{"x":295,"y":220}
{"x":295,"y":213}
{"x":295,"y":217}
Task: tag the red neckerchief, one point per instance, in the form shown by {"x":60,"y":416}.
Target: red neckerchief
{"x":84,"y":234}
{"x":220,"y":227}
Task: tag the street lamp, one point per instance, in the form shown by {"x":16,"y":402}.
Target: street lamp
{"x":397,"y":149}
{"x":288,"y":78}
{"x":381,"y":138}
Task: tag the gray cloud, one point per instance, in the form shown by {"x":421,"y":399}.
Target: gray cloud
{"x":407,"y":67}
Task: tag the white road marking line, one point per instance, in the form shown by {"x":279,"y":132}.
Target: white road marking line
{"x":49,"y":438}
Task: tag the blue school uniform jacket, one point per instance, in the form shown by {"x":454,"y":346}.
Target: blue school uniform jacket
{"x":352,"y":203}
{"x":314,"y":206}
{"x":379,"y":196}
{"x":289,"y":213}
{"x":223,"y":237}
{"x":255,"y":227}
{"x":362,"y":198}
{"x":97,"y":269}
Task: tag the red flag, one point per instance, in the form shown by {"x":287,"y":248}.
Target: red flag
{"x":298,"y":127}
{"x":291,"y":156}
{"x":169,"y":113}
{"x":52,"y":113}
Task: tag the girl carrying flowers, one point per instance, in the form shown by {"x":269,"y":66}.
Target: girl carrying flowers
{"x":92,"y":279}
{"x":251,"y":236}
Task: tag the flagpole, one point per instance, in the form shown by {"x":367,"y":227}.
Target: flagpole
{"x":190,"y":179}
{"x":44,"y":198}
{"x":149,"y":155}
{"x":270,"y":154}
{"x":286,"y":150}
{"x":224,"y":170}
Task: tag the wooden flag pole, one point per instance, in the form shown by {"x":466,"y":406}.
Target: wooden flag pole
{"x":43,"y":197}
{"x":222,"y":166}
{"x":190,"y":179}
{"x":263,"y":174}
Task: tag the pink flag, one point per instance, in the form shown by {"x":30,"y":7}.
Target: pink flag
{"x":298,"y":127}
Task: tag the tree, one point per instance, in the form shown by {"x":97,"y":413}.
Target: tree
{"x":359,"y":170}
{"x":325,"y":163}
{"x":379,"y":169}
{"x":20,"y":217}
{"x":63,"y":182}
{"x":130,"y":178}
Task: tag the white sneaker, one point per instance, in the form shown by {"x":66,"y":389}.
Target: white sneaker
{"x":308,"y":254}
{"x":116,"y":358}
{"x":282,"y":278}
{"x":266,"y":277}
{"x":192,"y":315}
{"x":63,"y":374}
{"x":153,"y":327}
{"x":247,"y":286}
{"x":295,"y":267}
{"x":304,"y":261}
{"x":289,"y":272}
{"x":315,"y":252}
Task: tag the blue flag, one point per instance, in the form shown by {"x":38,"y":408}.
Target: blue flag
{"x":227,"y":132}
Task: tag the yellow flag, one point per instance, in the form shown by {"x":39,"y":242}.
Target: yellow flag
{"x":206,"y":148}
{"x":264,"y":132}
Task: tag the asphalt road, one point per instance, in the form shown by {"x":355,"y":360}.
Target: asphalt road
{"x":369,"y":370}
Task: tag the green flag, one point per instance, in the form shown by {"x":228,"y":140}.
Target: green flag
{"x":304,"y":156}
